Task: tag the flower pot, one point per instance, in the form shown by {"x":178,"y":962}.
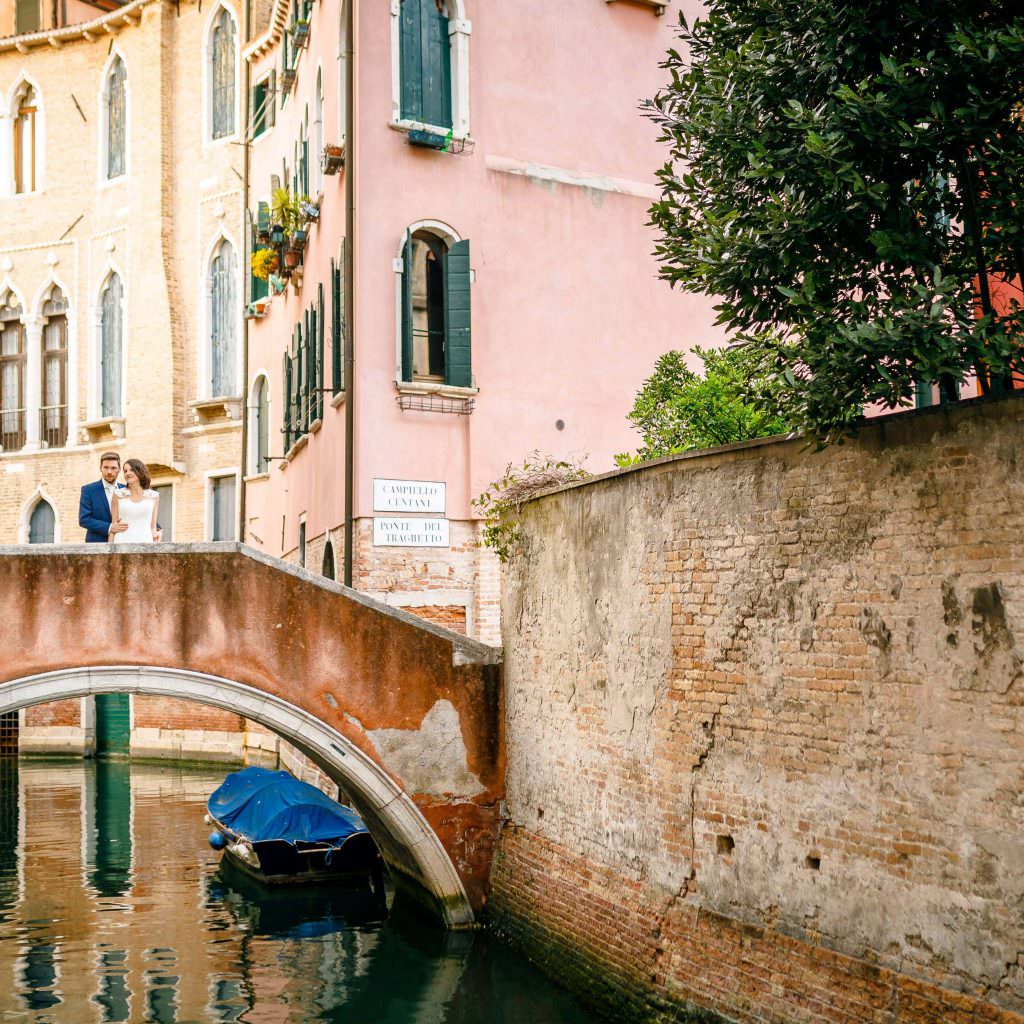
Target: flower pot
{"x":277,"y":234}
{"x":292,"y":257}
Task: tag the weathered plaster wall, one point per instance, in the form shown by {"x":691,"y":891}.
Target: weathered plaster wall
{"x":765,"y":729}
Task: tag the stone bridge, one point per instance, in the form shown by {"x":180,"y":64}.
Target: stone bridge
{"x":404,"y":715}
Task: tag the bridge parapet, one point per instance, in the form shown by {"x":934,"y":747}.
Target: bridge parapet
{"x":405,"y":715}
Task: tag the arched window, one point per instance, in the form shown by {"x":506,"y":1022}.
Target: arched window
{"x":259,"y":428}
{"x":425,"y":56}
{"x":223,"y":322}
{"x":116,"y":111}
{"x":436,"y":310}
{"x":42,"y":523}
{"x":25,"y":124}
{"x":111,"y":347}
{"x":222,"y":75}
{"x":328,"y":566}
{"x":12,"y":374}
{"x":53,"y":398}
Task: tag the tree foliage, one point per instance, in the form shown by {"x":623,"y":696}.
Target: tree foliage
{"x":847,"y":178}
{"x":678,"y":410}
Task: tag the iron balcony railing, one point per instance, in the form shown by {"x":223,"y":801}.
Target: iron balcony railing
{"x":53,"y":426}
{"x":12,"y":430}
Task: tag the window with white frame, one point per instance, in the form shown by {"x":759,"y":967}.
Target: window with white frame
{"x":222,"y":75}
{"x":222,"y":507}
{"x":435,"y":310}
{"x":12,"y":374}
{"x":259,"y":427}
{"x":223,"y":317}
{"x":26,"y":120}
{"x":318,"y":133}
{"x":116,"y":110}
{"x":430,"y":55}
{"x":111,"y":346}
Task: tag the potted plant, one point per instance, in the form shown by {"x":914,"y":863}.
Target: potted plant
{"x":309,"y":210}
{"x":292,"y":257}
{"x":264,"y":262}
{"x":300,"y":31}
{"x":332,"y":158}
{"x":286,"y":210}
{"x":277,"y":284}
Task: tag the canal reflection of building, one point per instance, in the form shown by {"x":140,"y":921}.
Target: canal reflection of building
{"x":112,"y":908}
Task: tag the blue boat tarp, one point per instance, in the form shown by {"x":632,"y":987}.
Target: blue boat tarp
{"x":260,"y":804}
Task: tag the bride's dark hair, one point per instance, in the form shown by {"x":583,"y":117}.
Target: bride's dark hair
{"x":138,"y":467}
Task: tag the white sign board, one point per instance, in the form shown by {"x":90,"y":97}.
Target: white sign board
{"x":410,"y":532}
{"x":408,"y":496}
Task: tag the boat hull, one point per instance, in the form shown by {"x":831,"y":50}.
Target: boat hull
{"x":355,"y":862}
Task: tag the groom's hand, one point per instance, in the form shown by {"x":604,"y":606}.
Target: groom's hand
{"x":118,"y":527}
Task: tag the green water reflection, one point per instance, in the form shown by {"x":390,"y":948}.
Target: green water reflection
{"x":113,"y":908}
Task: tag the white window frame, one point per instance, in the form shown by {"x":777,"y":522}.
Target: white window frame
{"x":450,"y":237}
{"x":208,"y":478}
{"x":25,"y":518}
{"x":204,"y":362}
{"x":459,"y":31}
{"x":96,"y":360}
{"x":256,"y":471}
{"x":101,"y":159}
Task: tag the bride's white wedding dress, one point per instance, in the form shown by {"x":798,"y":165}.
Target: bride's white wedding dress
{"x":139,"y":517}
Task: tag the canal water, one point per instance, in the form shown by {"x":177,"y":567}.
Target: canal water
{"x":113,"y":907}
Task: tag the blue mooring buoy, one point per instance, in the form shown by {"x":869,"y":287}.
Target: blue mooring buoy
{"x":218,"y":840}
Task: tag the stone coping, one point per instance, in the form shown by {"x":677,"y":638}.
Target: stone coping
{"x":465,"y":650}
{"x":874,"y":429}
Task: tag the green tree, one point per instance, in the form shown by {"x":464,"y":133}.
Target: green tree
{"x":847,"y":178}
{"x":678,"y":410}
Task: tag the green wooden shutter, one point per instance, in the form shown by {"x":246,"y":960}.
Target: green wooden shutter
{"x":286,"y":427}
{"x":436,"y":70}
{"x":458,"y":369}
{"x":305,"y":166}
{"x":320,"y":350}
{"x":263,"y":217}
{"x":411,"y":60}
{"x":337,"y":326}
{"x":407,"y":308}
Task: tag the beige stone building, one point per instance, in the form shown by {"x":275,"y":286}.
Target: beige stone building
{"x":121,"y":282}
{"x":121,"y":260}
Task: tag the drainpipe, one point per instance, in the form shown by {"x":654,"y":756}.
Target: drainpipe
{"x":349,"y":276}
{"x":243,"y":465}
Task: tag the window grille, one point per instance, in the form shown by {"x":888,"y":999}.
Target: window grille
{"x":222,"y":56}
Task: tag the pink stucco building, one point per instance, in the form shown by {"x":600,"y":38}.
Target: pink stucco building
{"x":504,"y":298}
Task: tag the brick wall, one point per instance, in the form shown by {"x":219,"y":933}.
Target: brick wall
{"x":54,"y":713}
{"x":765,"y":727}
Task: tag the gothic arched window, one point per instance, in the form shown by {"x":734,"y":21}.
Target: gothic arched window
{"x":222,"y":75}
{"x":111,"y":347}
{"x":223,"y":322}
{"x":116,"y":110}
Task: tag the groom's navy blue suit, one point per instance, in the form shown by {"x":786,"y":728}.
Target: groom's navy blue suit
{"x":94,"y":513}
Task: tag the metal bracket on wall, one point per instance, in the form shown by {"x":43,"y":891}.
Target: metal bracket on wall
{"x":435,"y":403}
{"x":658,"y":6}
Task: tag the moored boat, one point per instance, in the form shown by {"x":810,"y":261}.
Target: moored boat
{"x":283,"y":831}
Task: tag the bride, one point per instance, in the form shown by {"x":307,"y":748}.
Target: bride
{"x":137,"y":507}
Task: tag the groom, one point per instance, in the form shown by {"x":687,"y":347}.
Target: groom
{"x":94,"y":504}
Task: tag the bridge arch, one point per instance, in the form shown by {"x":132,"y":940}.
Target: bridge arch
{"x":409,"y":845}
